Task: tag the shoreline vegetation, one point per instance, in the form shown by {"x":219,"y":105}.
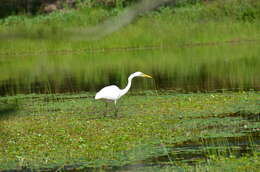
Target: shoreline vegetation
{"x":217,"y":11}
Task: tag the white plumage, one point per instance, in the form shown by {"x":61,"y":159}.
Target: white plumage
{"x":111,"y":92}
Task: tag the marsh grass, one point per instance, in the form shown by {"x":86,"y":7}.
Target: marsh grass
{"x":65,"y":129}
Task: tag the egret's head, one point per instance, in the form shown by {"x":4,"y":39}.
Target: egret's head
{"x":141,"y":74}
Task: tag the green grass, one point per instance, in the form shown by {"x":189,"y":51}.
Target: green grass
{"x":56,"y":130}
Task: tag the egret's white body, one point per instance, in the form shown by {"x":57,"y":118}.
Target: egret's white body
{"x":113,"y":93}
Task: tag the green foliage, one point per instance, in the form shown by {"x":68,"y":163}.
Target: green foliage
{"x":56,"y":130}
{"x":193,"y":58}
{"x":244,"y":10}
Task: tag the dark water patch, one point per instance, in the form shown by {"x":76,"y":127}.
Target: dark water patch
{"x":7,"y":109}
{"x":253,"y":117}
{"x":250,"y":116}
{"x":193,"y":151}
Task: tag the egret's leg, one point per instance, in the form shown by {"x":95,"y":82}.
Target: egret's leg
{"x":116,"y":110}
{"x":106,"y":109}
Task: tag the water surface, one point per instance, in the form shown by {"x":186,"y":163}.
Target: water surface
{"x":182,"y":68}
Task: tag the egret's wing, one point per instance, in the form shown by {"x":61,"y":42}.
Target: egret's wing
{"x":111,"y":92}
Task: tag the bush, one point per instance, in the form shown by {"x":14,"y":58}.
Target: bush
{"x":245,"y":10}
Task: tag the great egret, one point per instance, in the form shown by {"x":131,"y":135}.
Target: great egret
{"x":113,"y":93}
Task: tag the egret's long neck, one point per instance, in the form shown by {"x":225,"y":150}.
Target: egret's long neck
{"x":125,"y":90}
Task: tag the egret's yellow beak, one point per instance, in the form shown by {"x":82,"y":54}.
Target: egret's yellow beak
{"x":147,"y":76}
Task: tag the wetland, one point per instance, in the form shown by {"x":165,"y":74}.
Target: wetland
{"x":200,"y":112}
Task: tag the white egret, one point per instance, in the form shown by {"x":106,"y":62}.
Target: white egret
{"x":113,"y":93}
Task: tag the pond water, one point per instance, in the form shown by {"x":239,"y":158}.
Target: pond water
{"x":185,"y":69}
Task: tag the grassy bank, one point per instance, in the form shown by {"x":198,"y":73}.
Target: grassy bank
{"x":59,"y":130}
